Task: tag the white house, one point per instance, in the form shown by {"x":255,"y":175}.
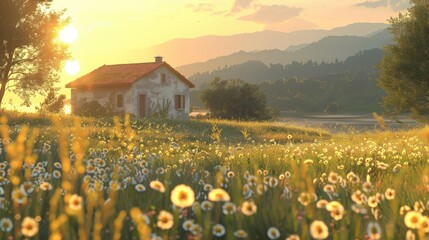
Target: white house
{"x":142,"y":89}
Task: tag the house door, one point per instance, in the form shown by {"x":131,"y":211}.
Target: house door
{"x":142,"y":105}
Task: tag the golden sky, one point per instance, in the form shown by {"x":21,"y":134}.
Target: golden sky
{"x":110,"y":31}
{"x":114,"y":31}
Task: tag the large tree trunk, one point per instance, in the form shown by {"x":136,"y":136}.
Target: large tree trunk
{"x":2,"y":91}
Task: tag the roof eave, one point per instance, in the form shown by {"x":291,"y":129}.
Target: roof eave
{"x":190,"y":84}
{"x":92,"y":86}
{"x":183,"y":78}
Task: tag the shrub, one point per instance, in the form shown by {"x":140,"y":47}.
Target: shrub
{"x":94,"y":109}
{"x":235,"y":99}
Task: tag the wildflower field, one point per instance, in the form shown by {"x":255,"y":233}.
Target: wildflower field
{"x":71,"y":178}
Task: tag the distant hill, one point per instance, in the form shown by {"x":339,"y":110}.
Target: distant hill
{"x":293,"y":48}
{"x":191,"y":50}
{"x":327,"y":49}
{"x":339,"y":86}
{"x":259,"y":72}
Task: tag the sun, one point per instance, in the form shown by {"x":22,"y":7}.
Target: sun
{"x":68,"y":34}
{"x":72,"y":67}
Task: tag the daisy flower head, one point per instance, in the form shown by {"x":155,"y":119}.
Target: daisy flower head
{"x":424,"y":224}
{"x":389,"y":194}
{"x":157,"y":186}
{"x":29,"y":227}
{"x":75,"y":202}
{"x":322,"y":203}
{"x":182,"y":196}
{"x":206,"y":205}
{"x":6,"y":225}
{"x":240,"y":234}
{"x":228,"y":208}
{"x":19,"y":196}
{"x":305,"y":198}
{"x":374,"y":230}
{"x":196,"y":229}
{"x":273,"y":233}
{"x":218,"y":230}
{"x":208,"y":187}
{"x":56,"y":174}
{"x":140,"y":187}
{"x":412,"y":219}
{"x":45,"y":186}
{"x":248,"y":208}
{"x":187,"y":224}
{"x":165,"y":220}
{"x":219,"y":195}
{"x":319,"y":230}
{"x":293,"y":237}
{"x":336,"y":209}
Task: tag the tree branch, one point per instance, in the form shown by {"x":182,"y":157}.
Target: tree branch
{"x":23,"y":60}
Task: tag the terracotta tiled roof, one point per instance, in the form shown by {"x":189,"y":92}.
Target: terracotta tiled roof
{"x":120,"y":75}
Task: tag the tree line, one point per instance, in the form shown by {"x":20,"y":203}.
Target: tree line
{"x":339,"y":86}
{"x":258,"y":72}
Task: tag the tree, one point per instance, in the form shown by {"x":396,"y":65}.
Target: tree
{"x":30,"y":55}
{"x":52,"y":103}
{"x":235,"y":99}
{"x":404,"y":69}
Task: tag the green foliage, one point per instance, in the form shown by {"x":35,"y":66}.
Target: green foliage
{"x":235,"y":99}
{"x":405,"y":66}
{"x":52,"y":103}
{"x":30,"y":57}
{"x":341,"y":92}
{"x":258,"y":72}
{"x":29,"y":54}
{"x":216,"y":133}
{"x":312,"y":86}
{"x":160,"y":110}
{"x":93,"y":109}
{"x":81,"y":181}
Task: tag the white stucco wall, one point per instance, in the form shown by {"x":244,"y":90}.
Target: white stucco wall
{"x":103,"y":95}
{"x":150,"y":86}
{"x":156,"y":92}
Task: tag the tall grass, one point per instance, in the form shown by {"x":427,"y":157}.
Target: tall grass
{"x":88,"y":179}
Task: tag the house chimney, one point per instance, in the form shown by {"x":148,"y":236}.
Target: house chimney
{"x":158,"y":59}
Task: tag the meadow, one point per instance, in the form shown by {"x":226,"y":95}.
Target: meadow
{"x":64,"y":177}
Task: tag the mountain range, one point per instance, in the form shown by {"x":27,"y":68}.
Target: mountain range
{"x":339,"y":86}
{"x":183,"y":51}
{"x":310,"y":70}
{"x":258,"y":72}
{"x":331,"y":48}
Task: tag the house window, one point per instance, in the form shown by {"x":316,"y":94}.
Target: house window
{"x":163,"y":79}
{"x":119,"y":101}
{"x":179,"y":101}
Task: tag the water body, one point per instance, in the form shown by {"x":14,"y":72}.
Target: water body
{"x":346,"y":122}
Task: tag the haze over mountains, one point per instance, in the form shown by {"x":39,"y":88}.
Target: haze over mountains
{"x":327,"y":49}
{"x":305,"y":71}
{"x":257,"y":72}
{"x":179,"y":52}
{"x":340,"y":86}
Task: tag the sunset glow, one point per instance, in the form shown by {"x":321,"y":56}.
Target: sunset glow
{"x":214,"y":119}
{"x":67,"y":109}
{"x":120,"y":32}
{"x":72,"y":67}
{"x":68,"y":34}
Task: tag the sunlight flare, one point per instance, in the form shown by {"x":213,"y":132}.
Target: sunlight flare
{"x":67,"y":109}
{"x":72,"y":67}
{"x":68,"y":34}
